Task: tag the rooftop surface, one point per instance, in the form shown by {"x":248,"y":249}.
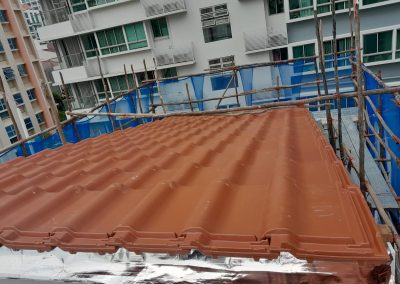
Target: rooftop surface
{"x":250,"y":185}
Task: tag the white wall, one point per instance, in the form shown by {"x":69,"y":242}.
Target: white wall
{"x":184,"y":27}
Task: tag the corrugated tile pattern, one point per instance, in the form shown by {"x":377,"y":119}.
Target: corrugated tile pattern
{"x":248,"y":185}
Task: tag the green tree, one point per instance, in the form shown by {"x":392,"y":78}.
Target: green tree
{"x":60,"y":106}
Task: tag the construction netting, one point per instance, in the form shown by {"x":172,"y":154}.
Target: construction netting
{"x":203,"y":92}
{"x":390,"y":113}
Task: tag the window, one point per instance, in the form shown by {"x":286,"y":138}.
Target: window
{"x":8,"y":73}
{"x":216,"y":23}
{"x":159,"y":27}
{"x":280,"y":54}
{"x":398,"y":44}
{"x":22,"y":70}
{"x":98,"y":84}
{"x":304,"y":51}
{"x":275,"y":7}
{"x":12,"y":42}
{"x":300,"y":8}
{"x":169,"y":72}
{"x":31,"y":94}
{"x":93,"y":3}
{"x":366,"y":2}
{"x":12,"y":134}
{"x":40,"y":118}
{"x":325,"y":6}
{"x":136,"y":36}
{"x":1,"y":47}
{"x":3,"y":106}
{"x":378,"y":46}
{"x":90,"y":45}
{"x":220,"y":82}
{"x":78,"y":5}
{"x":4,"y":114}
{"x":342,"y":44}
{"x":3,"y":16}
{"x":3,"y":110}
{"x":111,"y":40}
{"x":223,"y":62}
{"x":118,"y":84}
{"x":18,"y":99}
{"x":28,"y":123}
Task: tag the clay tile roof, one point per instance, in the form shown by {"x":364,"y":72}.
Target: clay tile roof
{"x":249,"y":185}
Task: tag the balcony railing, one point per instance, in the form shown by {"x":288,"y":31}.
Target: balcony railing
{"x":174,"y":55}
{"x":70,"y":61}
{"x":56,"y":15}
{"x":81,"y":22}
{"x":159,"y":7}
{"x":258,"y":41}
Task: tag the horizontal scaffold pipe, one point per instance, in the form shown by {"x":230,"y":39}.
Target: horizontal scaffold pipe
{"x":20,"y":142}
{"x":238,"y":67}
{"x":270,"y":89}
{"x":301,"y":102}
{"x":377,"y":79}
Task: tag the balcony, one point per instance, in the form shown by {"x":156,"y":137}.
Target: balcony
{"x":181,"y":55}
{"x":72,"y":67}
{"x":56,"y":15}
{"x":154,"y":8}
{"x":81,"y":22}
{"x":259,"y":41}
{"x":70,"y":61}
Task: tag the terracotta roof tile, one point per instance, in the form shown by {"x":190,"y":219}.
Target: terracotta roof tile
{"x":249,"y":185}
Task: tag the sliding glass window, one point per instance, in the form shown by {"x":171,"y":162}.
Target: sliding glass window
{"x":111,"y":41}
{"x":300,"y":8}
{"x":90,"y":45}
{"x":136,"y":36}
{"x":378,"y":46}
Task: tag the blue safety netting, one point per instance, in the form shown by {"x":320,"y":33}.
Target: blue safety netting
{"x":391,"y":116}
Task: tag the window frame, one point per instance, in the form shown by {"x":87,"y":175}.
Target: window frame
{"x":31,"y":94}
{"x":28,"y":121}
{"x":157,"y":21}
{"x":22,"y":70}
{"x":18,"y":99}
{"x":12,"y":43}
{"x":378,"y":53}
{"x":218,"y":16}
{"x":276,"y":8}
{"x":9,"y":73}
{"x":11,"y":133}
{"x":110,"y":45}
{"x":300,"y":9}
{"x":42,"y":119}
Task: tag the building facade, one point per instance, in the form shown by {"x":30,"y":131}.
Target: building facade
{"x":33,"y":16}
{"x":188,"y":37}
{"x":22,"y":77}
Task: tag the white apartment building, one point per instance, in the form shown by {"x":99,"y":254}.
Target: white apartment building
{"x":187,"y":36}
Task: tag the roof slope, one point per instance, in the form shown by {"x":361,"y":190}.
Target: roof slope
{"x":248,"y":185}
